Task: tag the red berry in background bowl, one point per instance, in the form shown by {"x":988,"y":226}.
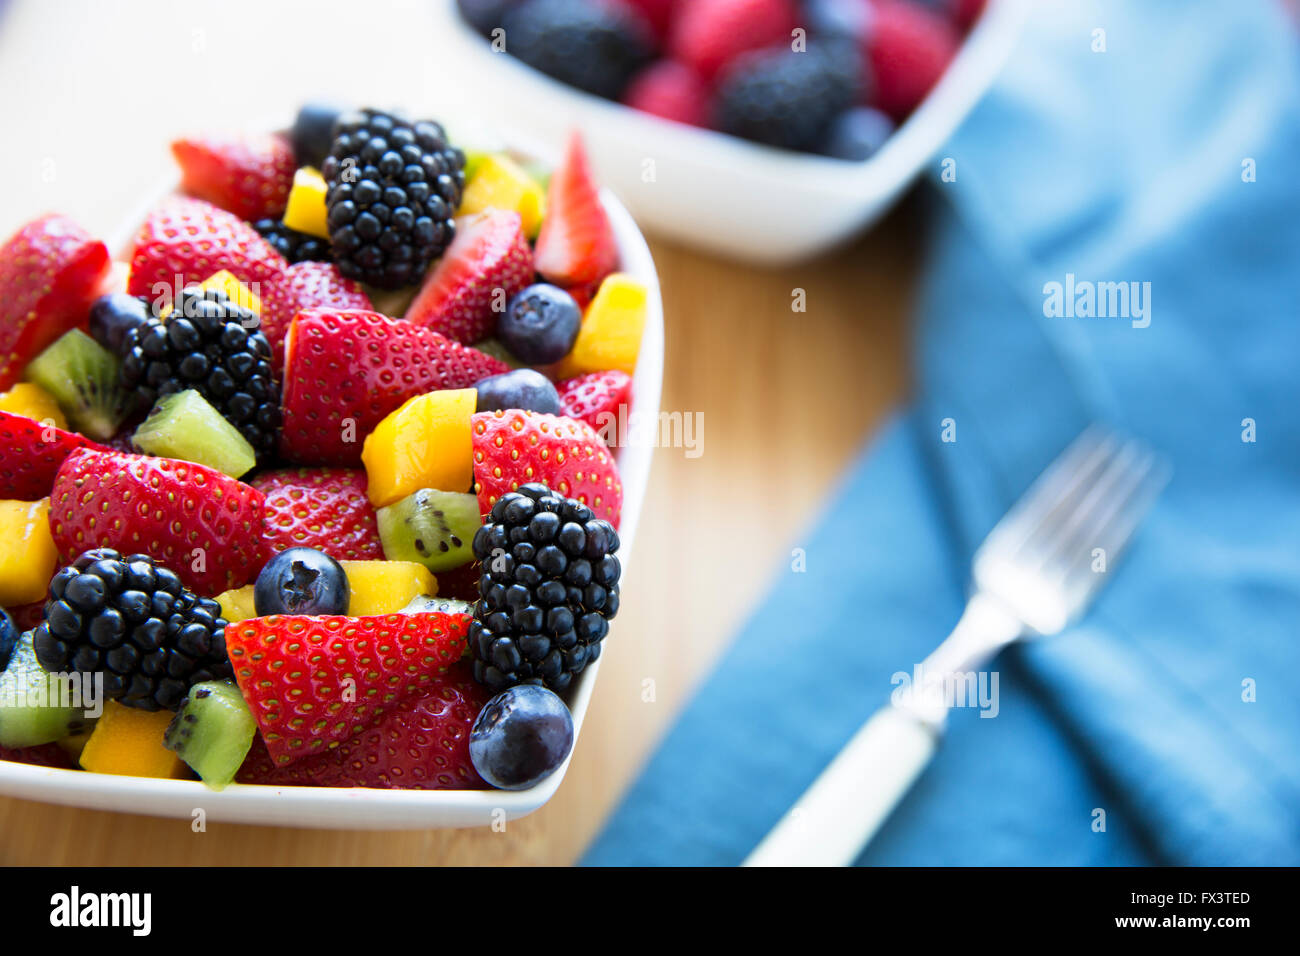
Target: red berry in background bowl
{"x":907,"y":48}
{"x":672,"y":91}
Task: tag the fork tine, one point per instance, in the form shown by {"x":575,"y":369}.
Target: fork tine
{"x":1113,"y":525}
{"x":1051,"y":491}
{"x":1095,"y":505}
{"x":1037,"y":559}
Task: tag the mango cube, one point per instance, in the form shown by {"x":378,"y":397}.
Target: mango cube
{"x":499,"y":182}
{"x":234,"y":290}
{"x":306,"y":208}
{"x":424,"y":444}
{"x":610,"y":337}
{"x":237,"y":604}
{"x":27,"y":552}
{"x":129,"y":742}
{"x":385,"y":587}
{"x":32,"y":401}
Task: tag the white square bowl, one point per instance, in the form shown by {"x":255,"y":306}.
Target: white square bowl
{"x":366,"y":809}
{"x":719,"y":193}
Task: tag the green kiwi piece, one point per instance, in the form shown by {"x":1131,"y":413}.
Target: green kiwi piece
{"x":425,"y":604}
{"x":212,"y":731}
{"x":435,"y":528}
{"x":186,"y":426}
{"x":30,"y":714}
{"x":82,"y":376}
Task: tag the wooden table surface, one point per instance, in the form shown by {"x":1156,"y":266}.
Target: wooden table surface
{"x":786,"y":398}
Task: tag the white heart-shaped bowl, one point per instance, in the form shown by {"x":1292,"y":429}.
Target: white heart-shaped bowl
{"x":357,"y":808}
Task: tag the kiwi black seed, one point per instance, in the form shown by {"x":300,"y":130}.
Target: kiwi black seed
{"x":433,"y":528}
{"x":212,"y":731}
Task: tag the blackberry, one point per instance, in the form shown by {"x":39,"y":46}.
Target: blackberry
{"x":548,"y":588}
{"x":132,"y":620}
{"x":394,"y":186}
{"x":787,"y":99}
{"x":295,"y":246}
{"x":589,"y":44}
{"x":212,"y":345}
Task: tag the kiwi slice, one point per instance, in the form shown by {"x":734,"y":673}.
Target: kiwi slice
{"x":212,"y":731}
{"x":433,"y":528}
{"x":186,"y":426}
{"x":426,"y":604}
{"x":30,"y":714}
{"x":82,"y":376}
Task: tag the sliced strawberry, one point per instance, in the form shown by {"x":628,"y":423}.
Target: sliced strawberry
{"x":248,"y":175}
{"x":305,"y":285}
{"x":514,"y":447}
{"x":322,"y":508}
{"x":594,"y":397}
{"x":31,"y":455}
{"x":50,"y":272}
{"x":422,"y":746}
{"x":314,"y":682}
{"x":187,"y":240}
{"x":346,"y":371}
{"x":45,"y":755}
{"x":576,"y":245}
{"x":203,"y":525}
{"x":485,"y":265}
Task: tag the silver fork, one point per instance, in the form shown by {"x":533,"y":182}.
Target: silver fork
{"x":1037,"y":571}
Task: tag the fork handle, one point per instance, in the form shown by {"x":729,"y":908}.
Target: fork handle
{"x":845,"y":806}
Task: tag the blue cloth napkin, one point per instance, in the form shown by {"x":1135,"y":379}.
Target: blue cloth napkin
{"x":1167,"y":159}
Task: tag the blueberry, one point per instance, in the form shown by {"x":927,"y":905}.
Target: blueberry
{"x":540,"y":324}
{"x":8,"y":638}
{"x":857,"y":134}
{"x":523,"y":388}
{"x":521,"y":737}
{"x":113,"y":316}
{"x":313,"y":133}
{"x":301,"y":581}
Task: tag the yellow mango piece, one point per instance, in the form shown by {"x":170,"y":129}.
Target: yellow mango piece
{"x":501,"y":183}
{"x":29,"y":399}
{"x":225,"y":282}
{"x":237,"y":604}
{"x":129,"y":742}
{"x":306,"y":209}
{"x":27,"y":553}
{"x":424,"y":444}
{"x":385,"y":587}
{"x":238,"y":293}
{"x":610,"y":337}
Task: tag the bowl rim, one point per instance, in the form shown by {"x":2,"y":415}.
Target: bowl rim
{"x":333,"y":807}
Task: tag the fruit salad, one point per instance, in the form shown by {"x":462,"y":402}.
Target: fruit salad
{"x":311,"y":486}
{"x":833,"y":77}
